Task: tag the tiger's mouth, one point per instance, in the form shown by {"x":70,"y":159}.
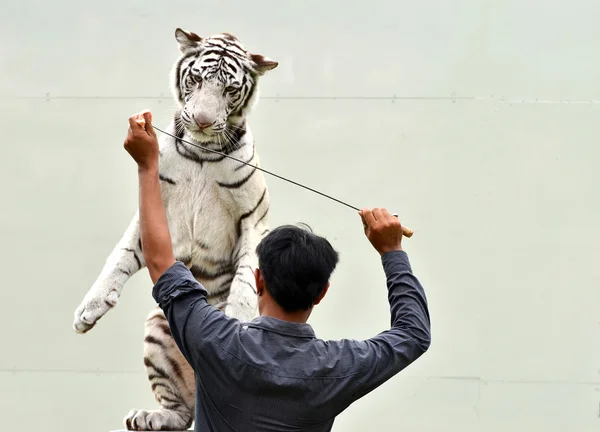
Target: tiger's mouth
{"x":208,"y":134}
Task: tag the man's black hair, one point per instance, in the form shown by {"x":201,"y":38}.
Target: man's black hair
{"x":296,"y":265}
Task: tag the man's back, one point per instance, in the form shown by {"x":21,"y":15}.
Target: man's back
{"x":258,"y":378}
{"x":274,"y":375}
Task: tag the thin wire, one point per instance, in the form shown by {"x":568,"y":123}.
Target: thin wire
{"x":258,"y":168}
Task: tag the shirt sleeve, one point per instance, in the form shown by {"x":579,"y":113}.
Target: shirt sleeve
{"x":383,"y":356}
{"x":192,"y":320}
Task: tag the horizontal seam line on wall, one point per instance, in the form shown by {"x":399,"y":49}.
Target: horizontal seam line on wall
{"x":49,"y":98}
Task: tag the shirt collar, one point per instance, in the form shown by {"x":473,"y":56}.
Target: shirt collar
{"x":285,"y":328}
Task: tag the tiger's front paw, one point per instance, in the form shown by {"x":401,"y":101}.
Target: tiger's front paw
{"x":94,"y":306}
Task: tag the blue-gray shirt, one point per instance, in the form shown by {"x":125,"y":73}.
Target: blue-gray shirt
{"x":272,"y":375}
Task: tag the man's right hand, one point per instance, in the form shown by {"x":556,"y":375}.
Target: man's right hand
{"x":141,"y":142}
{"x":383,"y":230}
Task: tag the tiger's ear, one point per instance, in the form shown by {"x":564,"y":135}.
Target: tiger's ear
{"x":262,"y":63}
{"x":187,"y":40}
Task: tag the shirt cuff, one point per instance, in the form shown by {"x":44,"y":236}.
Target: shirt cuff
{"x":396,"y":261}
{"x":175,"y":281}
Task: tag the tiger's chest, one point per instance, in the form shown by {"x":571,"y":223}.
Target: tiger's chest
{"x":201,"y":216}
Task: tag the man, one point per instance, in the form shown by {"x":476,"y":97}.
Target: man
{"x":273,"y":374}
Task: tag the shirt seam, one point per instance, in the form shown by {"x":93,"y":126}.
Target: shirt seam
{"x":281,"y":332}
{"x":167,"y":285}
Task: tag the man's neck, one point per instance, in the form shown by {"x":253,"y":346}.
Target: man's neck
{"x":280,"y":314}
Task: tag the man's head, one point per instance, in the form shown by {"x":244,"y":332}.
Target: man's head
{"x":295,"y":266}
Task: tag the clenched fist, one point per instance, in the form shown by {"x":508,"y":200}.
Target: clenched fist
{"x":141,"y":142}
{"x":383,"y":230}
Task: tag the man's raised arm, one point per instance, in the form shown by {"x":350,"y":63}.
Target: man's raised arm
{"x":142,"y":145}
{"x":383,"y":356}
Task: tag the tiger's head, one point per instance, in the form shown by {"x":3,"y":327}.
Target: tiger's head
{"x":215,"y":82}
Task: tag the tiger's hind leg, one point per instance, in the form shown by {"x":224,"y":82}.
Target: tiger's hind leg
{"x":171,"y":379}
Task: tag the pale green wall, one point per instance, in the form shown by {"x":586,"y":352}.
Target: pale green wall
{"x":499,"y":185}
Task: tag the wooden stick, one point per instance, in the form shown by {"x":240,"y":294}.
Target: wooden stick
{"x":406,"y":231}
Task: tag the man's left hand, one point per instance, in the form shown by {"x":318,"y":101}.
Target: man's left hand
{"x":141,"y":142}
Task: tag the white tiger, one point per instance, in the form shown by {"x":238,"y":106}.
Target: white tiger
{"x":217,"y":211}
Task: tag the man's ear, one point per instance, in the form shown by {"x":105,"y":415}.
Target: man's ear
{"x":260,"y":282}
{"x":318,"y":300}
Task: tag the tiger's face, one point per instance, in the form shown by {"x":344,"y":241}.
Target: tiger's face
{"x":215,"y":83}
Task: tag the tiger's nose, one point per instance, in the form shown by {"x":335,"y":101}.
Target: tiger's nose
{"x":202,"y":121}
